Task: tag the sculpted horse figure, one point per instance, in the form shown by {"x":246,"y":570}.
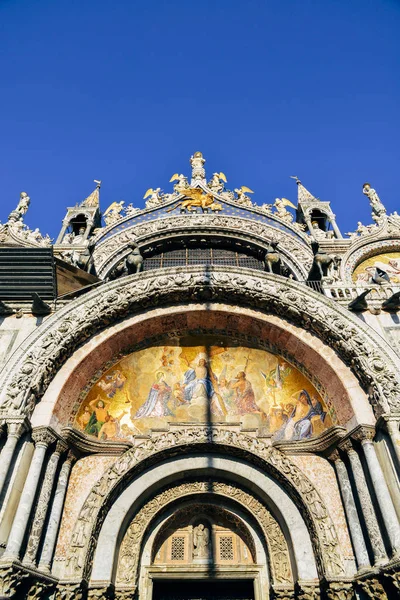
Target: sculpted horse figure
{"x":272,"y":258}
{"x":321,"y":263}
{"x":134,"y":260}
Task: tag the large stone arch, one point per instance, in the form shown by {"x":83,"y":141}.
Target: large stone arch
{"x":257,"y":454}
{"x":296,"y":252}
{"x":207,"y":491}
{"x":27,"y":374}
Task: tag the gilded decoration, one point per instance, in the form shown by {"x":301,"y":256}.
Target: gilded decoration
{"x":386,"y":266}
{"x":197,"y":384}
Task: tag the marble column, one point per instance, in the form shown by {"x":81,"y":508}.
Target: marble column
{"x":14,"y":432}
{"x":43,"y":505}
{"x":336,"y":229}
{"x":357,"y":536}
{"x":42,"y":438}
{"x":366,"y":435}
{"x":55,"y":514}
{"x":367,"y":508}
{"x":392,"y":427}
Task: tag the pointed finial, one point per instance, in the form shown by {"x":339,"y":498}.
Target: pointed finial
{"x":93,"y":200}
{"x":303,"y":195}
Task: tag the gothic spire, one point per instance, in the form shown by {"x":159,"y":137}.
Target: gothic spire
{"x":93,"y":200}
{"x":303,"y":195}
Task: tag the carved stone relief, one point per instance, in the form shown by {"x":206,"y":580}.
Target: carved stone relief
{"x":129,"y":554}
{"x":110,"y":252}
{"x":94,"y":509}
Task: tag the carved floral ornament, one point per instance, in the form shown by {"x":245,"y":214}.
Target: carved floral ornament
{"x":94,"y":509}
{"x":30,"y":370}
{"x":297,"y":253}
{"x":129,"y":552}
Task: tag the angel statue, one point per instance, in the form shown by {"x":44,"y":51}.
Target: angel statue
{"x":181,"y":180}
{"x":23,"y":203}
{"x":155,"y":198}
{"x":241,"y":196}
{"x":215,"y":183}
{"x":113,"y":213}
{"x":281,"y":210}
{"x":201,"y":540}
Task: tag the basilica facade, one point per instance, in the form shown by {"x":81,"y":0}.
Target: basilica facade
{"x":200,"y":399}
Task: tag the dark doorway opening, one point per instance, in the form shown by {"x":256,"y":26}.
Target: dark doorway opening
{"x":184,"y":589}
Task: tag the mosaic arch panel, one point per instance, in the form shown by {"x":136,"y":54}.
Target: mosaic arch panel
{"x":388,"y":262}
{"x":151,"y":388}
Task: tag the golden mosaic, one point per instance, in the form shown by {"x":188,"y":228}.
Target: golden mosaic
{"x":195,"y":384}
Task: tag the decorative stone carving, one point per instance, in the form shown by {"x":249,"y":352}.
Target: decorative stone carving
{"x":340,"y":591}
{"x":90,"y":519}
{"x":36,"y":361}
{"x":282,"y":593}
{"x":68,"y":591}
{"x":308,"y":591}
{"x":11,"y":580}
{"x":108,"y":252}
{"x":372,"y":588}
{"x":130,"y":548}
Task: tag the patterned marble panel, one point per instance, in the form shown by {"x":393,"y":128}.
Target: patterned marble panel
{"x":84,"y":475}
{"x":322,"y":474}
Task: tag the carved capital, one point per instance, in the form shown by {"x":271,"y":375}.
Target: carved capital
{"x":42,"y":436}
{"x":11,"y":580}
{"x":69,"y":591}
{"x":282,"y":593}
{"x":100,"y":593}
{"x":334,"y":455}
{"x":308,"y":590}
{"x":363,"y":434}
{"x":340,"y":591}
{"x":61,"y":447}
{"x":372,"y":588}
{"x":346,"y":445}
{"x":39,"y":590}
{"x":124,"y":593}
{"x":15,"y":428}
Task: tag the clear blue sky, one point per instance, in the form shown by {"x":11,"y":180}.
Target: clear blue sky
{"x":125,"y":91}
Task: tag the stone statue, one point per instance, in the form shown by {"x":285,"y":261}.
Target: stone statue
{"x":155,"y":197}
{"x":241,"y":196}
{"x":22,"y":207}
{"x":197,"y":163}
{"x":79,"y":239}
{"x":281,"y":210}
{"x":23,"y":204}
{"x":378,"y":210}
{"x":215,"y":183}
{"x":318,"y":233}
{"x":113,"y":212}
{"x":181,"y":180}
{"x":201,"y":540}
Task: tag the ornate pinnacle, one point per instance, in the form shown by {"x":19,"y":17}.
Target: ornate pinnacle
{"x":93,"y":200}
{"x":303,"y":195}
